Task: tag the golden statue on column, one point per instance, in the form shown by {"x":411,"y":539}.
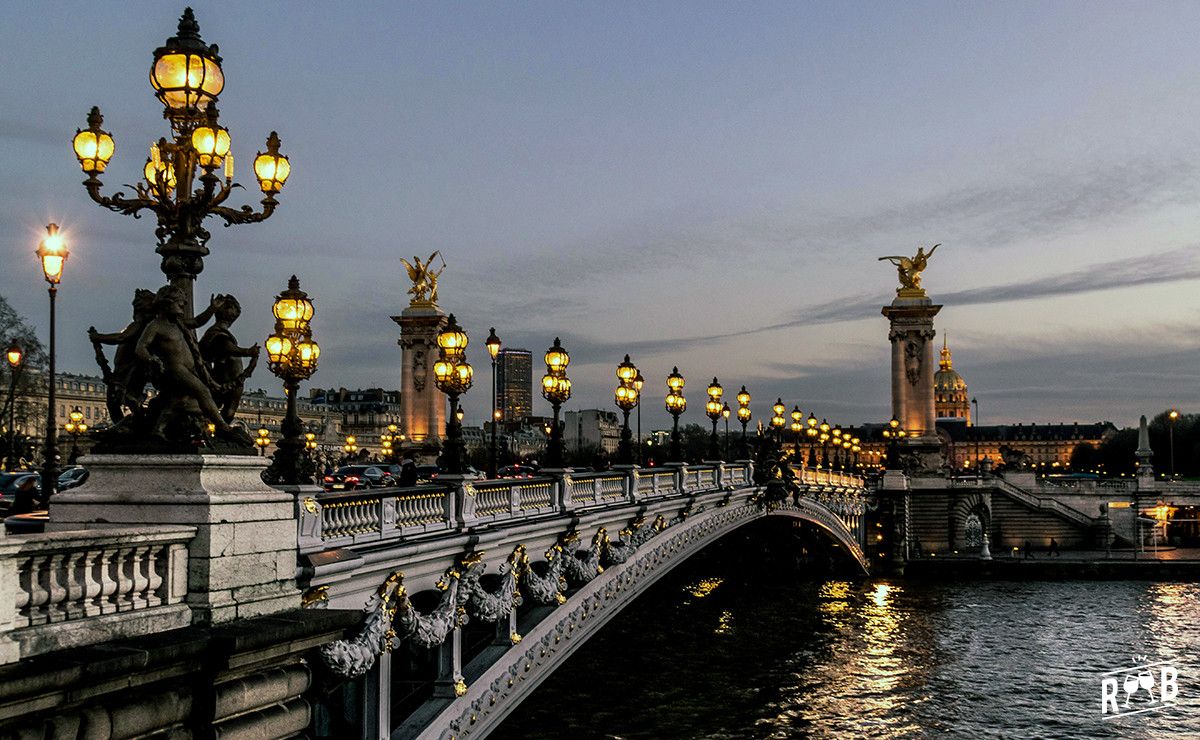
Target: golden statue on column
{"x":424,"y":279}
{"x":910,"y":270}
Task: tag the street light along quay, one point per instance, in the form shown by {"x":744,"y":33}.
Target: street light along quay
{"x":453,"y":375}
{"x":16,"y":361}
{"x":626,"y":396}
{"x":638,"y":382}
{"x":187,"y":77}
{"x":1172,"y":417}
{"x":725,"y":412}
{"x":493,"y":348}
{"x":53,"y":253}
{"x":713,"y":410}
{"x":556,"y":388}
{"x":676,"y":404}
{"x":292,"y":355}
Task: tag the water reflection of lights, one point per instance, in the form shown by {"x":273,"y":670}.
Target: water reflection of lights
{"x":724,"y":623}
{"x":881,"y":594}
{"x":704,"y":587}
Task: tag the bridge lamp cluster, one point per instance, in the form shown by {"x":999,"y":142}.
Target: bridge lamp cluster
{"x":556,"y":388}
{"x":187,"y":78}
{"x":713,"y":409}
{"x":627,"y":396}
{"x":75,"y":425}
{"x":453,"y":376}
{"x":351,"y":445}
{"x":676,"y":404}
{"x":262,"y":439}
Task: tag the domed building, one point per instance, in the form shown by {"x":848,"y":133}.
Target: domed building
{"x":951,"y":400}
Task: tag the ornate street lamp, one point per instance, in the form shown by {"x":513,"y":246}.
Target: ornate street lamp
{"x":262,"y":441}
{"x":744,"y":415}
{"x":1172,"y":417}
{"x":638,"y":382}
{"x":626,"y":397}
{"x":797,"y":430}
{"x":182,"y":187}
{"x":812,"y":432}
{"x":725,"y":412}
{"x":16,"y":361}
{"x":493,"y":348}
{"x":676,"y":404}
{"x":712,"y":409}
{"x":823,"y":437}
{"x":777,"y":420}
{"x":453,"y":375}
{"x":292,"y":356}
{"x":893,"y":433}
{"x":52,"y":251}
{"x":75,"y":426}
{"x":556,"y":388}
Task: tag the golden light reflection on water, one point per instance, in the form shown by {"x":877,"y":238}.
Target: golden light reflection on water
{"x":703,"y":587}
{"x":724,"y":623}
{"x":860,"y":684}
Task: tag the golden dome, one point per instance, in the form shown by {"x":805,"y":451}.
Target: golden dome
{"x":950,"y":390}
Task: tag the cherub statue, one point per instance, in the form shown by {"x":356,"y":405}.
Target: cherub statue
{"x":223,"y":356}
{"x":910,"y":269}
{"x":126,"y":380}
{"x":170,"y":355}
{"x":424,"y":287}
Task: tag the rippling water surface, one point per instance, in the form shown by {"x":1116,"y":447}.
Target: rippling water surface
{"x":731,"y":651}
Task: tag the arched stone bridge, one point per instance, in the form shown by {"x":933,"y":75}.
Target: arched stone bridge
{"x":576,"y":547}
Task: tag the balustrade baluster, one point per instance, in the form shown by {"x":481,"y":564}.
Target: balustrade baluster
{"x":124,"y":572}
{"x":91,"y":583}
{"x":157,"y":563}
{"x":108,"y":570}
{"x":26,"y":582}
{"x":141,"y":576}
{"x":73,"y":572}
{"x":55,"y":609}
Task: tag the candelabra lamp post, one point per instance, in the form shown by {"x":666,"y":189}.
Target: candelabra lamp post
{"x":453,"y":375}
{"x":626,"y":397}
{"x":856,"y":447}
{"x":893,"y":433}
{"x":725,"y":412}
{"x":797,"y":429}
{"x":638,"y":382}
{"x":292,"y":355}
{"x":556,"y":388}
{"x":777,"y":420}
{"x":53,"y":253}
{"x":493,"y":348}
{"x":676,"y":404}
{"x":1172,"y":417}
{"x":811,"y":432}
{"x":182,"y":187}
{"x":262,"y":441}
{"x":744,"y":416}
{"x":351,"y":446}
{"x":845,"y":453}
{"x":712,"y":409}
{"x":75,"y":426}
{"x":823,"y":437}
{"x":16,"y":362}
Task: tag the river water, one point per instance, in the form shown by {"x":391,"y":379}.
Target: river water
{"x":727,"y":647}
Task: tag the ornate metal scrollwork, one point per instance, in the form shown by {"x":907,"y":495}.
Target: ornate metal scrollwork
{"x":486,"y":605}
{"x":353,"y":657}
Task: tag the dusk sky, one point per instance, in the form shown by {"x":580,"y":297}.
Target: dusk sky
{"x":701,"y":185}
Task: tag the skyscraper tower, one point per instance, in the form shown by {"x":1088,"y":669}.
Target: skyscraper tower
{"x":514,"y":384}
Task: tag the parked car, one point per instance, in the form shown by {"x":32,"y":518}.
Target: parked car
{"x":427,"y":473}
{"x":72,"y":478}
{"x":354,"y":477}
{"x":516,"y":471}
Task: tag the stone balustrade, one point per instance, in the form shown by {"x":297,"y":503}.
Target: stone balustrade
{"x":64,"y":589}
{"x":331,"y":520}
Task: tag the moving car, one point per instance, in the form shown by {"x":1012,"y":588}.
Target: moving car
{"x":516,"y":471}
{"x":72,"y":478}
{"x":355,"y":477}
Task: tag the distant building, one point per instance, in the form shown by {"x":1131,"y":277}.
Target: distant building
{"x":514,"y":384}
{"x":951,"y":400}
{"x":364,"y":413}
{"x":592,"y":428}
{"x":1042,"y":446}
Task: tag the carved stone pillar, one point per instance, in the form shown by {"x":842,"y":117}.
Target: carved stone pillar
{"x":422,"y":405}
{"x":911,"y":334}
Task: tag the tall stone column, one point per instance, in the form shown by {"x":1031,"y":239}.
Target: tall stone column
{"x":422,"y":405}
{"x":913,"y":367}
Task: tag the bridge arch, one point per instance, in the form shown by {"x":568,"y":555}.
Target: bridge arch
{"x":491,"y":696}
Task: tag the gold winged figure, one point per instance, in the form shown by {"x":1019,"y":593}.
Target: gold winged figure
{"x":910,"y":269}
{"x":424,"y":279}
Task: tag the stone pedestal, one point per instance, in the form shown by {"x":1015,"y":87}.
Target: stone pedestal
{"x":911,"y":334}
{"x":422,"y":405}
{"x":242,"y":561}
